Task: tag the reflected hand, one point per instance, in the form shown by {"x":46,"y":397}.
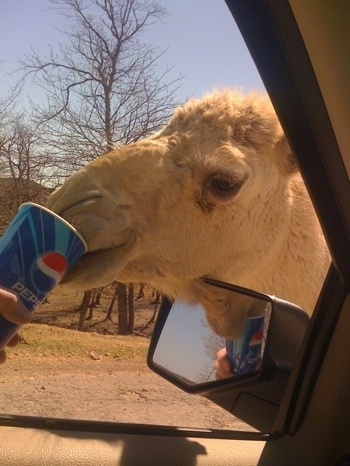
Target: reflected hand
{"x":222,"y":365}
{"x":14,"y":311}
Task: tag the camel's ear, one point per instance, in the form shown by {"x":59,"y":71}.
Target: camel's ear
{"x":285,"y":156}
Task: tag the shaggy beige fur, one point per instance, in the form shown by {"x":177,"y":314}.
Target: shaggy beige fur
{"x":215,"y":193}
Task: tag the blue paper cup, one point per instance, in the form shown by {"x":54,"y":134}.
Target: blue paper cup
{"x":245,"y":353}
{"x":36,"y":252}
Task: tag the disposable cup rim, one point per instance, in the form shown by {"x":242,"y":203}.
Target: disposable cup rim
{"x":62,"y":220}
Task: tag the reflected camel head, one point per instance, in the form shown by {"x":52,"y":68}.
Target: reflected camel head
{"x":215,"y":193}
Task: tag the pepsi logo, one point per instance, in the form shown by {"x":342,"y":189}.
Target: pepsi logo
{"x":256,"y":339}
{"x":48,"y":271}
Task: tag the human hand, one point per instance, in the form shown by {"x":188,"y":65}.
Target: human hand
{"x":222,"y":365}
{"x":12,"y":309}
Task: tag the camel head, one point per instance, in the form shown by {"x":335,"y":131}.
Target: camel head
{"x":209,"y":195}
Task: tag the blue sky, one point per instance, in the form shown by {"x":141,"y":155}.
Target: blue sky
{"x":202,"y":41}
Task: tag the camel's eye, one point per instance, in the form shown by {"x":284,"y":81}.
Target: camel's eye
{"x":225,"y":185}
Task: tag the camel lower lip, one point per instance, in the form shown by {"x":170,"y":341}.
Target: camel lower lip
{"x":100,"y":267}
{"x":89,"y":258}
{"x":87,"y":274}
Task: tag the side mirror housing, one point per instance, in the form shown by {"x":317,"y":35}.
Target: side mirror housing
{"x":183,"y":351}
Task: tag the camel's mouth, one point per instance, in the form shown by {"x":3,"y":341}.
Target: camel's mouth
{"x":100,"y":267}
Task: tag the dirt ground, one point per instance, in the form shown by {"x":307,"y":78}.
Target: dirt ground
{"x":97,"y":376}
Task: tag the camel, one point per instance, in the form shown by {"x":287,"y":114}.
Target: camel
{"x":216,"y":193}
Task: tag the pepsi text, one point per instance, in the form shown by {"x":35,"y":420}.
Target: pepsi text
{"x":26,"y":294}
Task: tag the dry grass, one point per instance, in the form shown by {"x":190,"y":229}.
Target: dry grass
{"x":53,"y":331}
{"x":51,"y":340}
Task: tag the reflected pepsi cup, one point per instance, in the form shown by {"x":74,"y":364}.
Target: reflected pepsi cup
{"x":245,"y":353}
{"x":36,"y":252}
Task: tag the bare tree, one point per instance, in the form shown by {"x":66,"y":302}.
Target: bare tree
{"x":102,"y":84}
{"x":23,"y":166}
{"x":124,"y":294}
{"x":20,"y":153}
{"x":122,"y":309}
{"x":7,"y":106}
{"x":83,"y":308}
{"x":131,"y":310}
{"x":22,"y":157}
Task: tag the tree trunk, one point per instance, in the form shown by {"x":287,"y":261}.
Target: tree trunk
{"x":157,"y":298}
{"x":91,"y":305}
{"x":110,"y":309}
{"x":141,"y":294}
{"x":156,"y":307}
{"x":122,"y":309}
{"x":99,"y":292}
{"x":153,"y":318}
{"x":84,"y":308}
{"x":131,"y":309}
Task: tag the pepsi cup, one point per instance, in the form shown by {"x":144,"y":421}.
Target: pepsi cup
{"x":36,"y":251}
{"x":245,"y":352}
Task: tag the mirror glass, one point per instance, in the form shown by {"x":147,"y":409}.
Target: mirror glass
{"x":188,"y":347}
{"x":186,"y":337}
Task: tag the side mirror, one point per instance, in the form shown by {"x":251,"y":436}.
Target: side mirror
{"x":183,"y":350}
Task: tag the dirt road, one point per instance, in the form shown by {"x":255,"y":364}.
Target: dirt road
{"x":104,"y":389}
{"x":53,"y":373}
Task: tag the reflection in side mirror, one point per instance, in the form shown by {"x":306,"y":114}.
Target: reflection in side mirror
{"x":187,"y":347}
{"x":184,"y":349}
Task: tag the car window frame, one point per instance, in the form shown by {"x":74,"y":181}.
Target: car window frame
{"x":275,"y":43}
